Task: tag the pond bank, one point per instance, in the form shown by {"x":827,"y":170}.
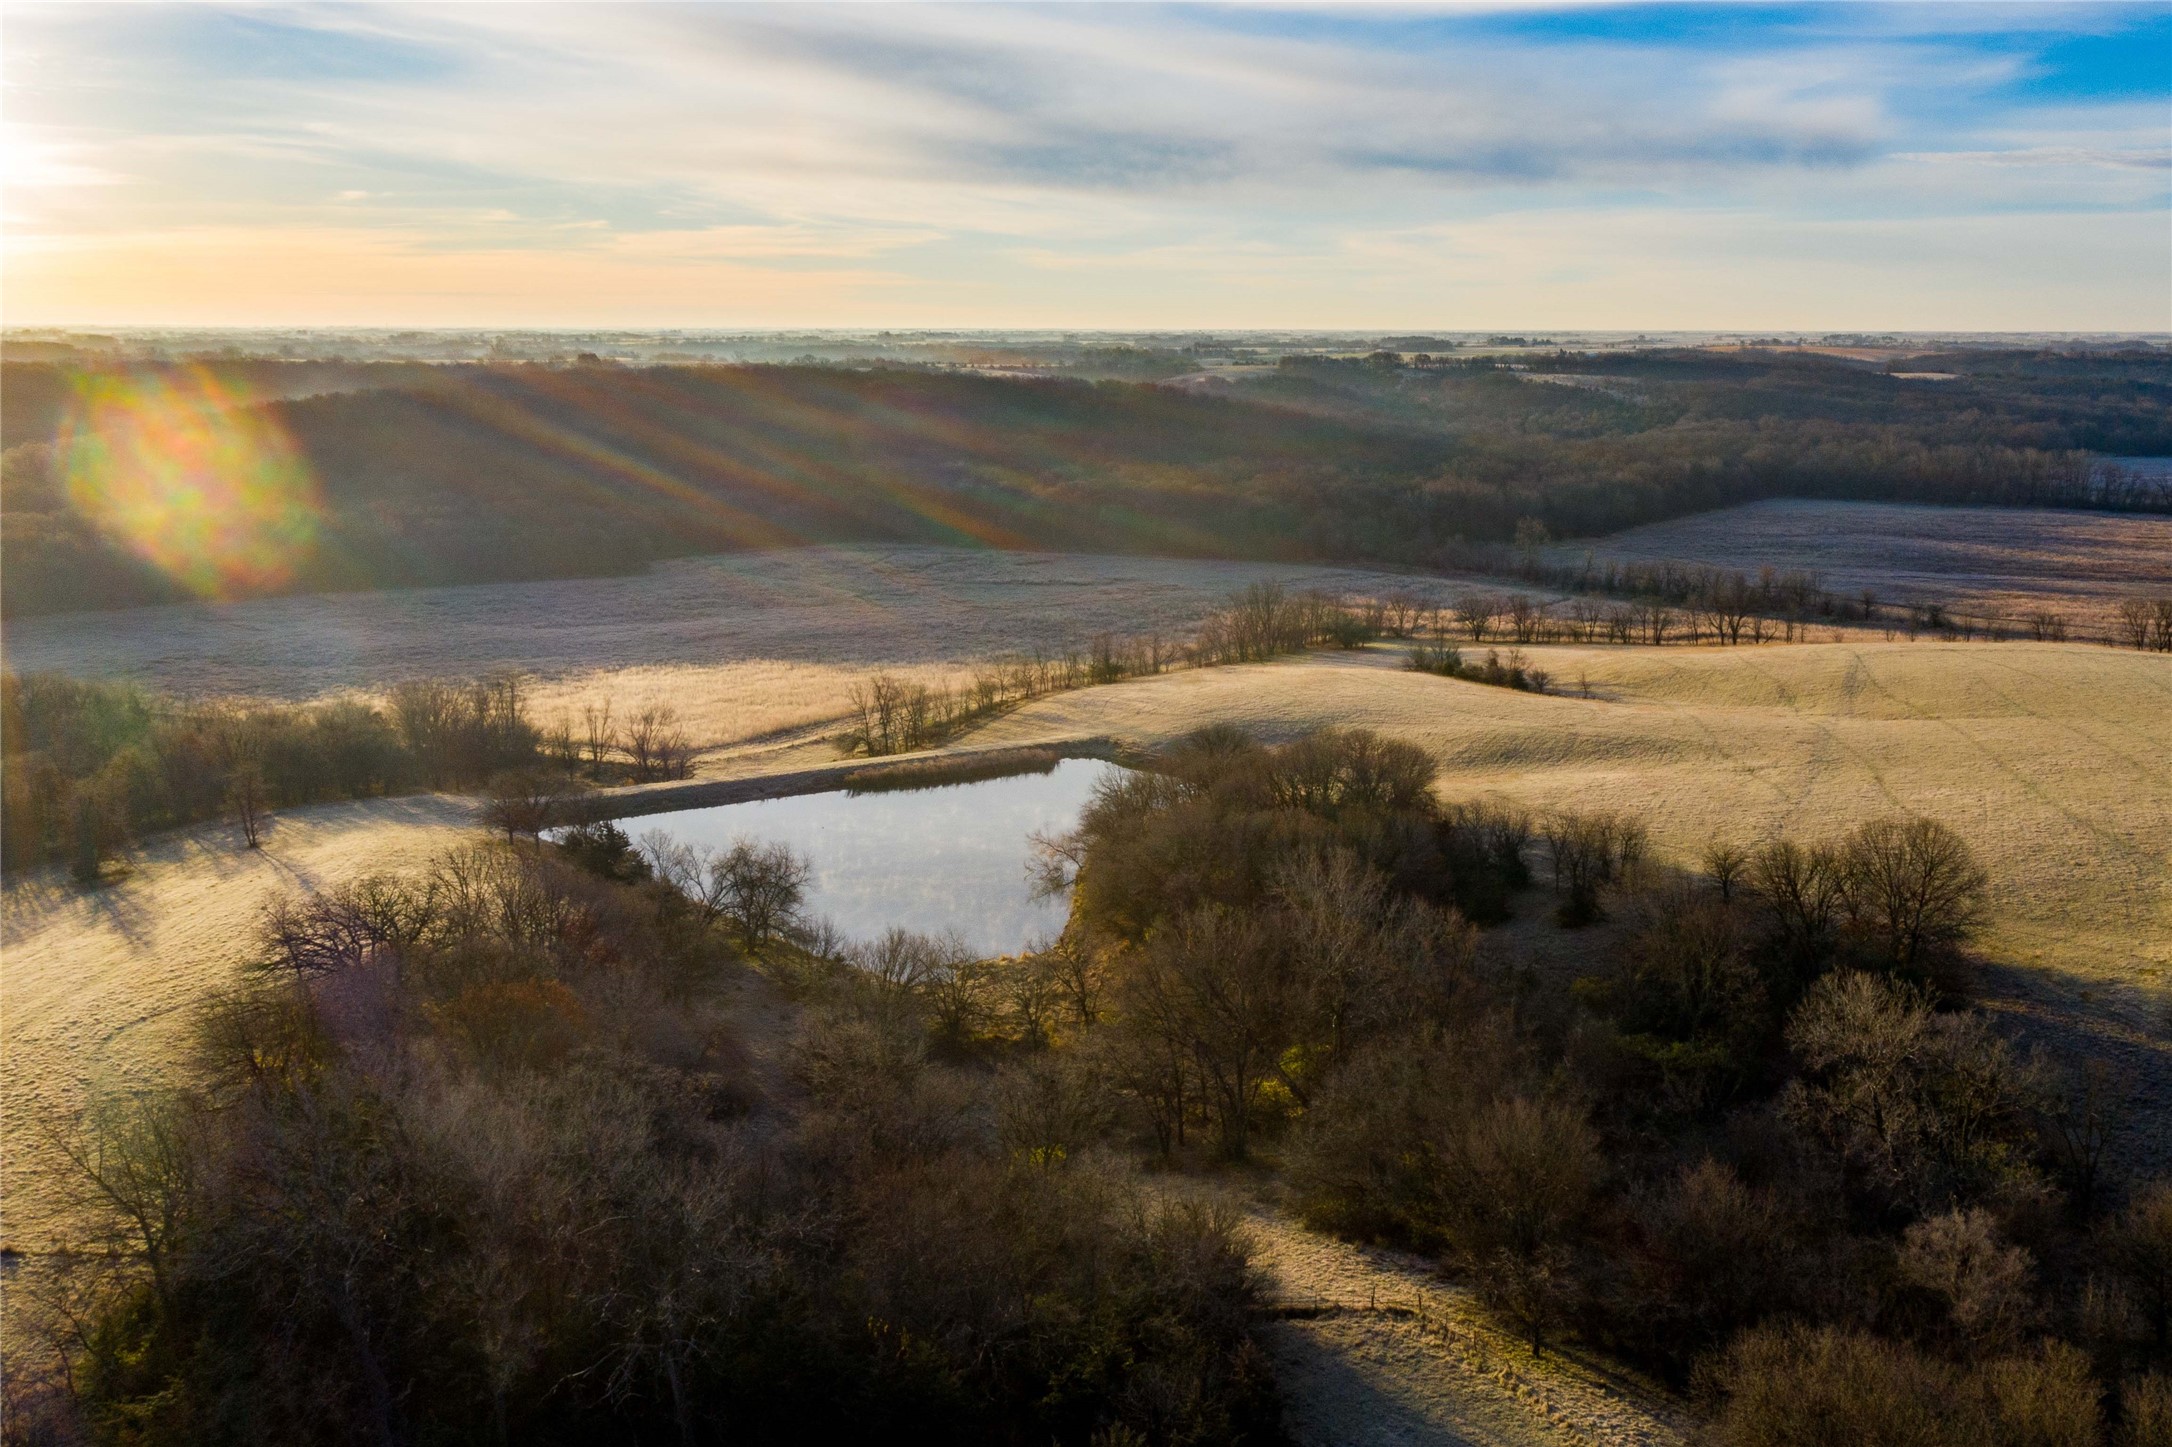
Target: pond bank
{"x":860,"y":774}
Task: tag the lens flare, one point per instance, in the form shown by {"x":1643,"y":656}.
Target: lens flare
{"x":186,"y":472}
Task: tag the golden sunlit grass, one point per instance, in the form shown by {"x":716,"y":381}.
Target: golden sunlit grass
{"x":727,"y":703}
{"x":2050,"y":759}
{"x":98,"y":985}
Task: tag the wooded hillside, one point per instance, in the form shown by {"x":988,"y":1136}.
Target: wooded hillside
{"x":478,"y":474}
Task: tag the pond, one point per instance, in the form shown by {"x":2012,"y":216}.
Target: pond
{"x":928,"y":860}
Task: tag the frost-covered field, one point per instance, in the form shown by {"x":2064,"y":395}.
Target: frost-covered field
{"x":803,"y":605}
{"x":742,"y":645}
{"x":2009,"y":561}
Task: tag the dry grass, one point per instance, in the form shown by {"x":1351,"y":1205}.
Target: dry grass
{"x":727,"y":703}
{"x":97,"y":986}
{"x":2055,"y":761}
{"x":2005,"y":561}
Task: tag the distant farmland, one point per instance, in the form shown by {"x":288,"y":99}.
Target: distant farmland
{"x":2005,"y":561}
{"x":742,"y":644}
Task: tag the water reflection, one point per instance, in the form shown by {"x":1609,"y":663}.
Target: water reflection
{"x":927,"y":859}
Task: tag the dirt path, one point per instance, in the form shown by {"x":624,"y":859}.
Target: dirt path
{"x":1373,"y":1349}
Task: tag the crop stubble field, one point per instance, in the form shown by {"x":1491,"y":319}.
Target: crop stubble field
{"x":2050,"y":759}
{"x":2008,"y":562}
{"x":744,"y":644}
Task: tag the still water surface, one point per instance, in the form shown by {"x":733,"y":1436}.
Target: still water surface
{"x":953,"y":858}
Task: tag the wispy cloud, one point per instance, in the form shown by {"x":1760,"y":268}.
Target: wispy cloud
{"x":989,"y":156}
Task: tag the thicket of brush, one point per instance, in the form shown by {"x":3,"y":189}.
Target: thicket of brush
{"x":1763,"y":1147}
{"x":1447,"y":661}
{"x":90,"y":766}
{"x":490,"y":1155}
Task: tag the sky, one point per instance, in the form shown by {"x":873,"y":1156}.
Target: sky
{"x":1861,"y":166}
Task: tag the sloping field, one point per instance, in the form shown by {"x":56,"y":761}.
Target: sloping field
{"x":743,"y":644}
{"x":2006,"y":561}
{"x":2053,"y":760}
{"x":95,"y":988}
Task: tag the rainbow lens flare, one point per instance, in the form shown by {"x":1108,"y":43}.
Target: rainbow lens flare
{"x":188,"y":473}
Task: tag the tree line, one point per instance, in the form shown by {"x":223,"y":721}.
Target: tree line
{"x":90,"y":766}
{"x":890,"y":715}
{"x":490,"y":473}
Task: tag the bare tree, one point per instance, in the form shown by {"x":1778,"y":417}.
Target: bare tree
{"x":1513,"y":1192}
{"x":1911,"y":886}
{"x":1589,"y":852}
{"x":1922,"y":1109}
{"x":657,"y":747}
{"x":2137,"y":620}
{"x":1524,"y":618}
{"x":1801,"y":889}
{"x":1983,"y":1283}
{"x":526,"y":802}
{"x":1214,"y":987}
{"x":2047,"y":627}
{"x":761,"y":888}
{"x":2140,"y":1245}
{"x":599,"y":737}
{"x":1475,"y":614}
{"x":1725,"y":865}
{"x":246,"y":798}
{"x":1655,"y":621}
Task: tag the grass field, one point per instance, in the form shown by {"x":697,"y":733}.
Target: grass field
{"x":98,"y":986}
{"x":2049,"y":759}
{"x":2005,"y":561}
{"x":2054,"y":761}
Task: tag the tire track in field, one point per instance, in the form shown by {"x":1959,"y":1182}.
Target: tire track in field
{"x":2027,"y":783}
{"x":1827,"y":741}
{"x":1685,"y":713}
{"x":2157,"y":774}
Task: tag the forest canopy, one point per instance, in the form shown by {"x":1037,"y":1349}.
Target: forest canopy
{"x":405,"y":475}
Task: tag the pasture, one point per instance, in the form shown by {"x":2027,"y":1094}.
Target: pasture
{"x":2051,"y":760}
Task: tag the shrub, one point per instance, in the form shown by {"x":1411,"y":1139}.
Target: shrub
{"x":1810,"y":1387}
{"x":1924,"y":1111}
{"x":505,"y":1175}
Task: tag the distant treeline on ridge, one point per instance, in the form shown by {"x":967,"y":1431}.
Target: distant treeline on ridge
{"x":433,"y":475}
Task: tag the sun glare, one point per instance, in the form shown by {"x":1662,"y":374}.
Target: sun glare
{"x":184,"y":472}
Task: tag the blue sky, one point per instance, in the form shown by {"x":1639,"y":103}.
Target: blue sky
{"x":1945,"y":166}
